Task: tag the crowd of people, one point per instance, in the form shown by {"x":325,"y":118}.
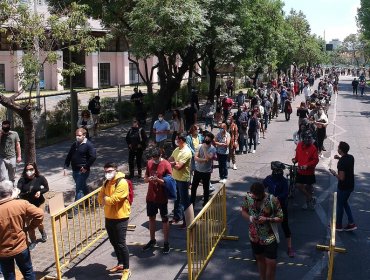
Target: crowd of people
{"x":182,"y":153}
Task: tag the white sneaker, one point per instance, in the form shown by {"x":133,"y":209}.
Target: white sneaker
{"x":223,"y":181}
{"x":211,"y":187}
{"x":234,"y":166}
{"x":254,"y":151}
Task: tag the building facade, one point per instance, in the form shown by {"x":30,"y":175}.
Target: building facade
{"x":108,"y":67}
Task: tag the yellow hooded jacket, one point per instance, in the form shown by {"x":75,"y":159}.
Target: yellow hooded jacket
{"x":116,"y":204}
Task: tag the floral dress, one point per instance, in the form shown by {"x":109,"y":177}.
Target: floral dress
{"x":262,"y":233}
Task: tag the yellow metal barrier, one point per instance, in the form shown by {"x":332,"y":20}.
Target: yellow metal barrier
{"x":331,"y":248}
{"x":72,"y":237}
{"x":205,"y":232}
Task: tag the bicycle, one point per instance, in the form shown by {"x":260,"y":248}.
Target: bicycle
{"x":291,"y":176}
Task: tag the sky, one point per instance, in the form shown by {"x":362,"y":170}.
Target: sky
{"x":335,"y":17}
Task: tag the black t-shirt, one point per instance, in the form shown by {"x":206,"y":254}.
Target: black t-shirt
{"x":137,"y":98}
{"x":346,"y":163}
{"x":302,"y":113}
{"x":189,"y":114}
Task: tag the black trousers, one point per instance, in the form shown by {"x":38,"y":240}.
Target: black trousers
{"x":132,"y":154}
{"x":205,"y":177}
{"x":117,"y":230}
{"x":285,"y":224}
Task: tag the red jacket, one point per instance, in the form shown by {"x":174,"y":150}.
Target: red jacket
{"x":306,"y":155}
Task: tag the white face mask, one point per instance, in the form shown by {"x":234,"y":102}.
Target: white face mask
{"x":79,"y":139}
{"x":160,"y":119}
{"x":30,"y":173}
{"x":110,"y":176}
{"x":176,"y":142}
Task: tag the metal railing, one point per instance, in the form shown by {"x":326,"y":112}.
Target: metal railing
{"x":331,"y":248}
{"x":205,"y":232}
{"x":76,"y":228}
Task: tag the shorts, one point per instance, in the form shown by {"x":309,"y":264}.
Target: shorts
{"x":269,"y":251}
{"x":305,"y":179}
{"x":153,"y":207}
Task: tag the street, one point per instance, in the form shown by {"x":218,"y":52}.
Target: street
{"x":349,"y":119}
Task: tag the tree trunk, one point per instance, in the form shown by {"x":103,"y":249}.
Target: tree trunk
{"x":212,"y":78}
{"x":29,"y":135}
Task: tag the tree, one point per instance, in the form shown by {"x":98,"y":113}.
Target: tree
{"x":173,"y":32}
{"x":262,"y":28}
{"x":41,"y":37}
{"x":221,"y":38}
{"x":352,"y":46}
{"x":363,"y":18}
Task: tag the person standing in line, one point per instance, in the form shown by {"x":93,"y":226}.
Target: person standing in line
{"x":81,"y":156}
{"x":190,"y":116}
{"x":156,"y":198}
{"x":114,"y":196}
{"x":14,"y":215}
{"x":355,"y":86}
{"x":180,"y":161}
{"x":346,"y":184}
{"x":222,"y":142}
{"x":86,"y":122}
{"x":277,"y":185}
{"x":307,"y":158}
{"x":203,"y":168}
{"x":136,"y":140}
{"x":262,"y":210}
{"x":32,"y":186}
{"x":253,"y":128}
{"x":234,"y":137}
{"x":177,"y":125}
{"x":10,"y":152}
{"x":161,"y":128}
{"x":94,"y":108}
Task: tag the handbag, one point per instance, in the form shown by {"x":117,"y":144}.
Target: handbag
{"x":274,"y":226}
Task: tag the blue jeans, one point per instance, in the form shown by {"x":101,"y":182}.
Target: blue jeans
{"x":342,"y":204}
{"x":80,"y":181}
{"x":242,"y":144}
{"x":182,"y":201}
{"x":222,"y":166}
{"x":24,"y":263}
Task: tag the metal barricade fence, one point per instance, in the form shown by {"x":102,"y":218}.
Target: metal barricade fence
{"x":205,"y":232}
{"x":331,"y":248}
{"x":73,"y":235}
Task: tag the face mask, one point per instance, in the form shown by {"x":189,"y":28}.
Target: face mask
{"x":30,"y":173}
{"x":156,"y":161}
{"x":110,"y":176}
{"x":228,"y":122}
{"x":321,"y":111}
{"x":160,"y":119}
{"x":221,"y":130}
{"x":176,"y":142}
{"x":207,"y":142}
{"x":79,"y":139}
{"x":6,"y":129}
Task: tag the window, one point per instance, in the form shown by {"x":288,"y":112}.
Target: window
{"x":133,"y":74}
{"x":2,"y":76}
{"x":104,"y":74}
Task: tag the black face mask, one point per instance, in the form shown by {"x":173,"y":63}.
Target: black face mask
{"x":6,"y":129}
{"x":207,"y":142}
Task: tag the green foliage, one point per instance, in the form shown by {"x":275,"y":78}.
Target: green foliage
{"x":363,"y":18}
{"x":41,"y":36}
{"x":126,"y":109}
